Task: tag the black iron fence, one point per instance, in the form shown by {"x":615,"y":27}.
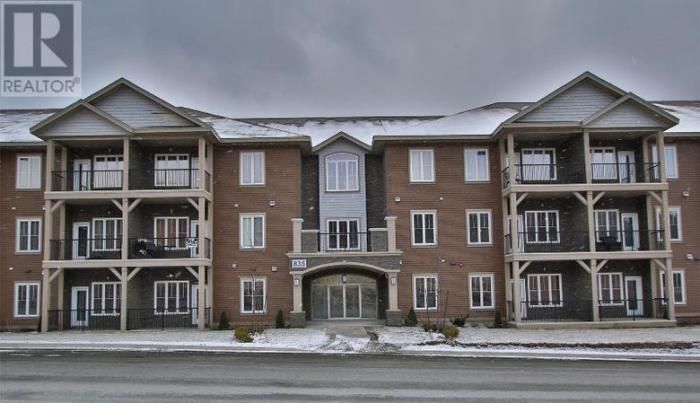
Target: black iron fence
{"x":84,"y":319}
{"x":633,"y":309}
{"x":628,"y":240}
{"x":167,"y":179}
{"x":553,"y":311}
{"x":625,"y":172}
{"x":528,"y":174}
{"x":85,"y":180}
{"x":546,"y":240}
{"x":165,"y":319}
{"x":344,"y":242}
{"x":86,"y":249}
{"x":167,"y":248}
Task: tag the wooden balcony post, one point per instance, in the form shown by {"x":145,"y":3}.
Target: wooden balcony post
{"x":587,"y":156}
{"x":201,"y":300}
{"x":126,"y":164}
{"x":45,"y":299}
{"x":201,"y":153}
{"x":670,"y":296}
{"x":123,"y":309}
{"x":510,"y":145}
{"x":125,"y":228}
{"x":594,"y":290}
{"x":202,"y":220}
{"x":591,"y":221}
{"x":517,"y":298}
{"x":661,"y":156}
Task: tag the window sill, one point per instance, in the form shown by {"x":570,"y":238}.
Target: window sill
{"x":262,"y":249}
{"x":479,"y":245}
{"x":482,"y":308}
{"x":424,"y":246}
{"x":252,"y":185}
{"x":32,"y":253}
{"x":477,"y":182}
{"x":27,"y":317}
{"x":419,"y":310}
{"x":253,"y":314}
{"x":421,"y":182}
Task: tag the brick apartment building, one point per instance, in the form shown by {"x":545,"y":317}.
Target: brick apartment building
{"x":122,"y":211}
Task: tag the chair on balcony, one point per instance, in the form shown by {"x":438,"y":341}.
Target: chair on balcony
{"x":609,"y":243}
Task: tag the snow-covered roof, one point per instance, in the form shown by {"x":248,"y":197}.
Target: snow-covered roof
{"x":687,"y":112}
{"x":15,"y":124}
{"x":229,"y":128}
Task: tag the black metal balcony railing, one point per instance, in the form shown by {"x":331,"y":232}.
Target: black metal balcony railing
{"x":79,"y":181}
{"x":632,"y":309}
{"x":550,"y":240}
{"x":86,"y":249}
{"x":140,"y":318}
{"x":625,"y":173}
{"x":167,"y":248}
{"x":344,"y":242}
{"x":150,"y":179}
{"x":531,"y":174}
{"x":84,"y":319}
{"x":553,"y":311}
{"x":139,"y":248}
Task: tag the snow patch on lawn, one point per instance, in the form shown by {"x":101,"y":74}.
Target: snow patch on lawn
{"x":305,"y":339}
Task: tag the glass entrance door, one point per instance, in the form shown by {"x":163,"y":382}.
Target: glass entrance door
{"x":333,"y":299}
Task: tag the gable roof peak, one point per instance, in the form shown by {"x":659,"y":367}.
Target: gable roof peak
{"x":342,"y":135}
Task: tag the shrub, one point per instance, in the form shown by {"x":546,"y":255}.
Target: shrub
{"x":450,"y":331}
{"x":432,"y":327}
{"x":223,"y":321}
{"x":459,"y":322}
{"x":497,"y":320}
{"x":279,"y":320}
{"x":411,"y":319}
{"x":243,"y":335}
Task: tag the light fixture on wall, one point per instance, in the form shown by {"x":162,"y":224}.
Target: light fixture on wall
{"x":272,"y":203}
{"x":397,"y":198}
{"x":344,"y":278}
{"x":393,"y":280}
{"x":296,"y":282}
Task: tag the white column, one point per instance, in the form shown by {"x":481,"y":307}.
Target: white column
{"x":510,"y":145}
{"x":210,"y":294}
{"x":296,"y":234}
{"x":591,"y":221}
{"x":587,"y":156}
{"x":513,"y":212}
{"x":124,"y":303}
{"x":670,"y":296}
{"x":201,"y":153}
{"x":201,"y":210}
{"x":297,"y":284}
{"x":125,"y":228}
{"x":201,"y":301}
{"x":661,"y":155}
{"x":45,"y":299}
{"x":391,"y":233}
{"x":517,"y":298}
{"x":594,"y":290}
{"x":126,"y":152}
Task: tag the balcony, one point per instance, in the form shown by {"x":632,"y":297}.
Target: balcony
{"x":575,"y":310}
{"x":332,"y":242}
{"x":139,"y":248}
{"x":543,"y":174}
{"x":553,"y":241}
{"x":139,"y":179}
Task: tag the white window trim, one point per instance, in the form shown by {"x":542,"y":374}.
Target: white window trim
{"x":522,"y":151}
{"x":253,"y":280}
{"x":481,"y":276}
{"x":252,"y":169}
{"x":490,"y":227}
{"x":103,"y":284}
{"x":162,"y":239}
{"x":38,"y":299}
{"x":466,"y":165}
{"x":607,"y":226}
{"x":410,"y":166}
{"x":117,"y":241}
{"x":178,"y":309}
{"x":435,"y":229}
{"x":660,"y":224}
{"x":240,"y":230}
{"x":347,"y":234}
{"x":662,"y":274}
{"x":655,"y":159}
{"x":17,"y":235}
{"x":415,"y":295}
{"x":549,"y":277}
{"x":526,"y":229}
{"x":610,"y":297}
{"x":41,"y":174}
{"x":352,"y":158}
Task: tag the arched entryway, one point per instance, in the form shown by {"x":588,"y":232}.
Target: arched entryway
{"x":345,"y":294}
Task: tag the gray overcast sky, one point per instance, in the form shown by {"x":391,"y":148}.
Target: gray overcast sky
{"x":316,"y":58}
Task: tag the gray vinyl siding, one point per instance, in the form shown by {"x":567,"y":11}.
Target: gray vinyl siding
{"x":350,"y":204}
{"x":628,"y":114}
{"x":83,"y":122}
{"x":573,"y":105}
{"x":138,"y":111}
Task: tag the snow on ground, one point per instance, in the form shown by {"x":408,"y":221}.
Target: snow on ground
{"x":306,"y":339}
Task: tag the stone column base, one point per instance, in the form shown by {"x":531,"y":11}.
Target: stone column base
{"x":393,"y":317}
{"x":297,"y":319}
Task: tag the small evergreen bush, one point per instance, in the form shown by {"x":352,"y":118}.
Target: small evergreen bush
{"x":459,"y":322}
{"x":279,"y":320}
{"x":450,"y":331}
{"x":411,"y":319}
{"x":223,"y":321}
{"x":243,"y":335}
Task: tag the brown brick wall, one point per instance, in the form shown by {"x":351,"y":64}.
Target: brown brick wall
{"x":283,"y":186}
{"x":451,"y":197}
{"x":13,"y":267}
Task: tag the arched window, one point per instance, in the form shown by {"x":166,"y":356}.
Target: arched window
{"x":341,"y":172}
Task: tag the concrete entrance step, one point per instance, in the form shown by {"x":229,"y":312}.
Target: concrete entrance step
{"x":347,"y":328}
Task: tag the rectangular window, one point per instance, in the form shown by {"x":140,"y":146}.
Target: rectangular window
{"x":107,"y":234}
{"x":28,"y":235}
{"x":674,"y":217}
{"x":544,"y":290}
{"x":424,"y":227}
{"x":538,"y":165}
{"x":476,"y":164}
{"x":425,"y":292}
{"x":27,"y":300}
{"x":542,"y":226}
{"x":252,"y":168}
{"x":171,"y":296}
{"x":108,"y":172}
{"x":610,"y":289}
{"x":106,"y":298}
{"x":172,"y":170}
{"x":481,"y":290}
{"x":607,"y":225}
{"x":342,"y":172}
{"x":253,"y":295}
{"x":29,"y":172}
{"x":422,"y":165}
{"x":172,"y":232}
{"x":603,"y":163}
{"x":343,"y":235}
{"x":252,"y":231}
{"x":678,"y":286}
{"x":671,"y":160}
{"x":479,"y":227}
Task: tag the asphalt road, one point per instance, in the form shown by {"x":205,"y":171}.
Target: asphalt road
{"x":129,"y":376}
